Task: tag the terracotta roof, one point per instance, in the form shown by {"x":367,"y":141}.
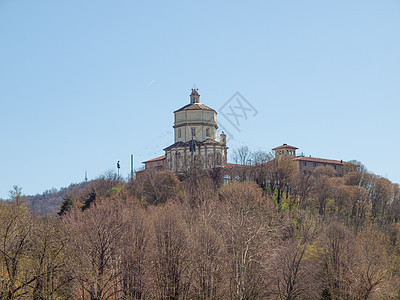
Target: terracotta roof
{"x":320,"y":160}
{"x":194,"y":106}
{"x":285,"y":146}
{"x":236,"y":165}
{"x":154,"y":159}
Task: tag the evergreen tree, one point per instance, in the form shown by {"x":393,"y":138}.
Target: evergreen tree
{"x":67,"y":204}
{"x":90,"y":199}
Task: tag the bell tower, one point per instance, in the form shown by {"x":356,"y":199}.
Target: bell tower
{"x":195,"y":96}
{"x":285,"y":150}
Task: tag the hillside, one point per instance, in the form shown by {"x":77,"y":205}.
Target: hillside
{"x":275,"y":235}
{"x":48,"y":203}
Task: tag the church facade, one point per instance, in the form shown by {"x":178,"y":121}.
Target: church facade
{"x":195,"y":138}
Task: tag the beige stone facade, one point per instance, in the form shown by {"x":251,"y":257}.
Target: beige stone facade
{"x":201,"y":121}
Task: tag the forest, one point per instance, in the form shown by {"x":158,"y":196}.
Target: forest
{"x":270,"y":233}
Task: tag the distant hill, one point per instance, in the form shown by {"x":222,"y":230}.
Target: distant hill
{"x":48,"y":203}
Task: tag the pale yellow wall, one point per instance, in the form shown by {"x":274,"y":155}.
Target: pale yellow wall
{"x":201,"y":120}
{"x":198,"y":119}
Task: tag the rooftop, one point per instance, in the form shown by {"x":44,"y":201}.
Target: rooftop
{"x":154,"y":159}
{"x":285,"y":146}
{"x":194,"y":106}
{"x":320,"y":160}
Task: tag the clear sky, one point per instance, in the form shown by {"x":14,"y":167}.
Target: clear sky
{"x":84,"y":84}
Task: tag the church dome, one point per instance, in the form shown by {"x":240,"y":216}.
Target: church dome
{"x":195,"y":120}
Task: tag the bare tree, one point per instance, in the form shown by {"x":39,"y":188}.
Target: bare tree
{"x":295,"y":268}
{"x":381,"y":194}
{"x":156,"y":187}
{"x":303,"y":188}
{"x":16,"y":227}
{"x":259,"y":173}
{"x":171,"y":254}
{"x":394,"y":213}
{"x":49,"y":256}
{"x":136,"y":260}
{"x":372,"y":271}
{"x":338,"y":261}
{"x":97,"y":247}
{"x":207,"y":249}
{"x":241,"y":155}
{"x":247,"y":240}
{"x":282,"y":174}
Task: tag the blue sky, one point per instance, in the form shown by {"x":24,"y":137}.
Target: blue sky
{"x":84,"y":84}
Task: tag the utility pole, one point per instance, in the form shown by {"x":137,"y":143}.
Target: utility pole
{"x":131,"y":167}
{"x":118,"y":167}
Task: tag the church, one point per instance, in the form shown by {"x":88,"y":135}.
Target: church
{"x":195,"y":139}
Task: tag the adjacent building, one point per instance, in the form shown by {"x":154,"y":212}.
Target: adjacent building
{"x":308,"y":164}
{"x":158,"y":162}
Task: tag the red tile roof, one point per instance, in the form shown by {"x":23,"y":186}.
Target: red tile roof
{"x":194,"y":106}
{"x":320,"y":160}
{"x":236,"y":165}
{"x":285,"y":146}
{"x":155,"y":159}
